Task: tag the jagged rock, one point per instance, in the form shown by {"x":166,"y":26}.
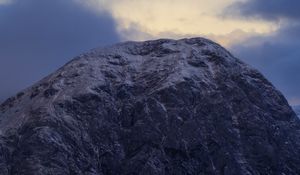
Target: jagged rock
{"x":156,"y":107}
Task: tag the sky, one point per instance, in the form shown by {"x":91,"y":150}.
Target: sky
{"x":39,"y":36}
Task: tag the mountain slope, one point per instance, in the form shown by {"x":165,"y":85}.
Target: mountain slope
{"x":156,"y":107}
{"x":297,"y":110}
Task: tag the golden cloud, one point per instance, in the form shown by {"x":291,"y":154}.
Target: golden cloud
{"x":144,"y":19}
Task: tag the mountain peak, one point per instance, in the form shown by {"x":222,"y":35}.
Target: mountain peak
{"x":169,"y":60}
{"x":156,"y":107}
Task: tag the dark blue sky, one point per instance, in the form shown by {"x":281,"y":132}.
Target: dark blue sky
{"x":39,"y":36}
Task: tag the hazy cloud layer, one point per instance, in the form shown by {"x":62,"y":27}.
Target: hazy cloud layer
{"x":277,"y":55}
{"x":38,"y":36}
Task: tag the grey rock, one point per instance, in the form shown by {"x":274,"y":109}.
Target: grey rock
{"x":156,"y":107}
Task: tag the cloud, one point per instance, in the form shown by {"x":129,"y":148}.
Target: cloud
{"x":175,"y":18}
{"x":266,"y":9}
{"x":38,"y":36}
{"x":135,"y":31}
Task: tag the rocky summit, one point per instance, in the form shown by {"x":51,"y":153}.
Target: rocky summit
{"x":183,"y":107}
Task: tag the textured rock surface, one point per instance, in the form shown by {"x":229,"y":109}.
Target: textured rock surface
{"x":156,"y":107}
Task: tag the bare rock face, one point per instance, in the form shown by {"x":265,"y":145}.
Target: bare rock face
{"x":156,"y":107}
